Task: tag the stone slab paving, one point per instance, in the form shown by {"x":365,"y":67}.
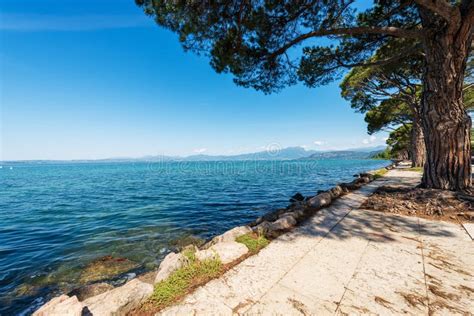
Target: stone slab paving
{"x":347,"y":261}
{"x":469,"y":227}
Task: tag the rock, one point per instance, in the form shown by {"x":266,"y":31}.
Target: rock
{"x":296,"y":204}
{"x":148,"y":277}
{"x":170,"y":263}
{"x":271,"y":216}
{"x":283,"y":224}
{"x":363,"y":180}
{"x":61,"y":306}
{"x":121,"y":300}
{"x":351,"y":186}
{"x":344,"y":189}
{"x":105,"y":268}
{"x":90,"y":290}
{"x":289,"y":213}
{"x":368,"y":175}
{"x":282,"y":211}
{"x":231,"y":235}
{"x":256,"y":222}
{"x":225,"y":251}
{"x":298,"y":197}
{"x":262,"y":228}
{"x":335,"y":192}
{"x":286,"y":222}
{"x":320,"y":201}
{"x":190,"y":248}
{"x":301,"y":214}
{"x":273,"y":230}
{"x":187,"y":240}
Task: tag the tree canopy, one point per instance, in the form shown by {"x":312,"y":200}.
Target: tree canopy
{"x":389,"y":94}
{"x":268,"y":45}
{"x":258,"y":41}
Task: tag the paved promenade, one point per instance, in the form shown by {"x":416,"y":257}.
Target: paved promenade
{"x":350,"y":261}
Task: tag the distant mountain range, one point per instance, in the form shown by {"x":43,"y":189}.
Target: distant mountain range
{"x":289,"y":153}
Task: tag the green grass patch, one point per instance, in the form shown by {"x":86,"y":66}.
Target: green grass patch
{"x":180,"y":282}
{"x":194,"y":274}
{"x":380,"y":173}
{"x":190,"y":254}
{"x":253,"y":242}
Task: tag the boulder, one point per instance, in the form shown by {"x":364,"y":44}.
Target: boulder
{"x":345,"y":190}
{"x":351,"y":186}
{"x":121,"y":300}
{"x":368,"y":175}
{"x":262,"y":228}
{"x":298,"y":197}
{"x":296,"y":204}
{"x":231,"y":235}
{"x":256,"y":222}
{"x":269,"y":217}
{"x":90,"y":290}
{"x":225,"y":251}
{"x":186,"y":240}
{"x":299,"y":213}
{"x":362,"y":180}
{"x":335,"y":192}
{"x":284,"y":223}
{"x":289,"y":213}
{"x":319,"y":201}
{"x":61,"y":306}
{"x":190,"y":248}
{"x":170,"y":263}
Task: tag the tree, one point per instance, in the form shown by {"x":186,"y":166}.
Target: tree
{"x":399,"y":142}
{"x":469,"y":86}
{"x":390,"y":95}
{"x":257,"y":42}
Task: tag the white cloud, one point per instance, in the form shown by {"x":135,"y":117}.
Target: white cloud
{"x":369,"y":140}
{"x":319,"y":142}
{"x":200,"y":150}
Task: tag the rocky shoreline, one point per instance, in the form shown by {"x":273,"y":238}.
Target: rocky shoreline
{"x":103,"y":299}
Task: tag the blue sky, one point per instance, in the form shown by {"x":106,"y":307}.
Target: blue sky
{"x":95,"y":79}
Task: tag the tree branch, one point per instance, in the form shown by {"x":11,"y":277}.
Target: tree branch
{"x":440,"y":7}
{"x":403,"y":54}
{"x":389,"y":30}
{"x":467,"y":86}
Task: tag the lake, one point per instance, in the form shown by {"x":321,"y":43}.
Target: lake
{"x":58,"y":218}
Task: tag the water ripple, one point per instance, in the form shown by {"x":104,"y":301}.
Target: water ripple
{"x":57,"y":218}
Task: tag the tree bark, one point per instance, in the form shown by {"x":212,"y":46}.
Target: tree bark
{"x":418,"y":148}
{"x":446,"y":123}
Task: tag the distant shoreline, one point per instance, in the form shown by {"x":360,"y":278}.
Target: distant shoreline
{"x":289,"y":153}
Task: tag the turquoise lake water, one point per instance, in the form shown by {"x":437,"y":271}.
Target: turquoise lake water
{"x":56,"y":218}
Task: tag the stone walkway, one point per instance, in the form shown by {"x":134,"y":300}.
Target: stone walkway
{"x":349,"y":261}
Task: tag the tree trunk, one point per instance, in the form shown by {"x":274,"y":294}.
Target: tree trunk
{"x":446,"y":124}
{"x":418,"y":149}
